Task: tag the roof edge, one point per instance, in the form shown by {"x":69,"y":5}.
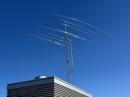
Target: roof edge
{"x":71,"y":86}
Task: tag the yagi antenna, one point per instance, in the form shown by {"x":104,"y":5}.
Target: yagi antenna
{"x":82,"y":22}
{"x":79,"y":21}
{"x":64,"y":38}
{"x":65,"y":32}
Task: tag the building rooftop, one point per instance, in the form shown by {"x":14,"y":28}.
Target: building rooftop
{"x":45,"y":80}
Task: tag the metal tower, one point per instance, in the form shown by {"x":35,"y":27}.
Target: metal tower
{"x":64,"y":37}
{"x":69,"y":56}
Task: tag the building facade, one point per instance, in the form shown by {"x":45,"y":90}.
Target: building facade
{"x":45,"y":87}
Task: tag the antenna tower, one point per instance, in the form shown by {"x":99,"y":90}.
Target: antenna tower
{"x":64,"y":37}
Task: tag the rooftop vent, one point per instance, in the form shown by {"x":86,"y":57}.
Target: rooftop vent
{"x":40,"y":77}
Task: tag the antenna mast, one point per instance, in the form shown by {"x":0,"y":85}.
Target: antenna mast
{"x":68,"y":51}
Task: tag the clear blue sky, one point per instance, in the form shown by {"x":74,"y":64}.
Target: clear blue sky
{"x":102,"y":68}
